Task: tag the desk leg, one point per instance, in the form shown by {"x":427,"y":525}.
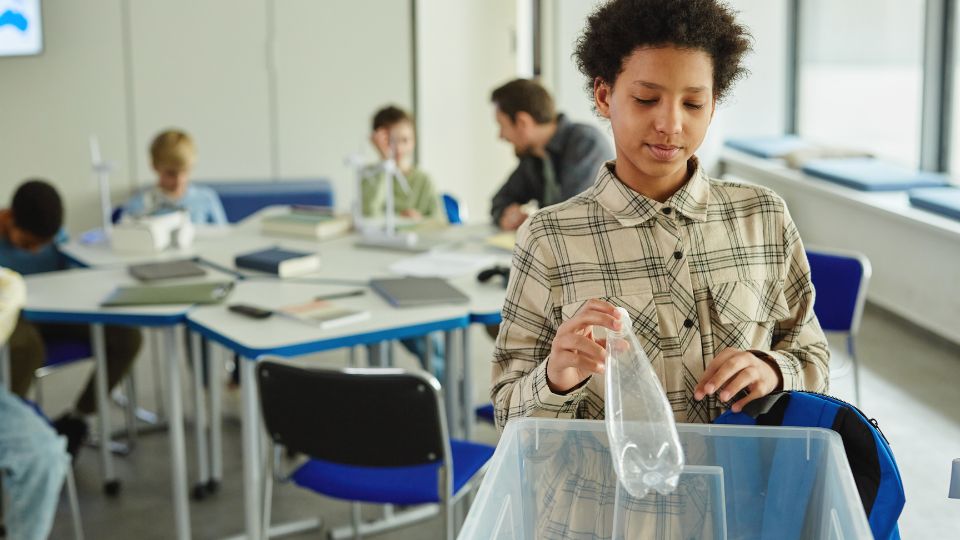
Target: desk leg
{"x":451,"y":383}
{"x":251,"y":446}
{"x":111,"y":485}
{"x":200,"y":417}
{"x":469,"y":417}
{"x":181,"y":511}
{"x":215,"y":371}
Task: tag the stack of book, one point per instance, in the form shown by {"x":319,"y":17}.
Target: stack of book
{"x":314,"y":223}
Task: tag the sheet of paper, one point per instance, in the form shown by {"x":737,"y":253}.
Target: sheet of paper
{"x":444,"y":265}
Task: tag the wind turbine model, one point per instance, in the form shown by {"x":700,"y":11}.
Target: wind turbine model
{"x":371,"y":233}
{"x":101,"y":170}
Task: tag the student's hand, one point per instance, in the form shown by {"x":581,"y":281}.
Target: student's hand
{"x":381,"y":141}
{"x":411,"y":213}
{"x":512,"y":217}
{"x":732,"y":370}
{"x":575,"y":353}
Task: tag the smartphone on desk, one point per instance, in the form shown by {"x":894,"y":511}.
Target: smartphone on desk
{"x":250,"y":311}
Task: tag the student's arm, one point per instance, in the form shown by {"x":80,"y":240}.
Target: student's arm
{"x":585,"y":152}
{"x":216,"y":215}
{"x":530,"y":321}
{"x":799,"y":347}
{"x":514,"y":191}
{"x":13,"y":295}
{"x":427,"y":199}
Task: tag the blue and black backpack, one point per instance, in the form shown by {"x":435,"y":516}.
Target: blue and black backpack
{"x":868,"y":453}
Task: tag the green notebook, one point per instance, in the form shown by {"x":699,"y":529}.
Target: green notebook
{"x":208,"y":292}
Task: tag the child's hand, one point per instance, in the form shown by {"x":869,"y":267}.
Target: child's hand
{"x":411,"y":213}
{"x":575,"y":353}
{"x":732,"y":370}
{"x":381,"y":141}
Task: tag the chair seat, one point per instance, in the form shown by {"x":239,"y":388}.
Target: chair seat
{"x":391,"y":485}
{"x":64,"y":352}
{"x":485,"y":412}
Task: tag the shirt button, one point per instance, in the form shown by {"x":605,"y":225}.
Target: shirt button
{"x":667,"y":210}
{"x":688,"y":323}
{"x":678,"y":255}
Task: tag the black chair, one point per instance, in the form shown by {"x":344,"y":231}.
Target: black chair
{"x":371,"y":435}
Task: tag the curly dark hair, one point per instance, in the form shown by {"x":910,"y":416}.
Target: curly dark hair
{"x":37,"y":208}
{"x":617,"y":28}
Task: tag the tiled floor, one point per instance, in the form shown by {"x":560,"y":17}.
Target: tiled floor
{"x":911,"y":384}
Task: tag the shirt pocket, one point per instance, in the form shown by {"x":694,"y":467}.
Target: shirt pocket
{"x":743,"y":313}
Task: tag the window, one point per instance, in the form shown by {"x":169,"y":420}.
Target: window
{"x":860,"y":75}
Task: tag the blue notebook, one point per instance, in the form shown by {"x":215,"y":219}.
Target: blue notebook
{"x":279,"y":261}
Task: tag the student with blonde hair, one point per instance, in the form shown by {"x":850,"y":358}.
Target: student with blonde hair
{"x":172,"y":155}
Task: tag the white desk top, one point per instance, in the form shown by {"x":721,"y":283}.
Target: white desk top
{"x":75,"y":296}
{"x":283,"y":336}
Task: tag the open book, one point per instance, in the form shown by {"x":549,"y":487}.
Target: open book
{"x":323,"y":314}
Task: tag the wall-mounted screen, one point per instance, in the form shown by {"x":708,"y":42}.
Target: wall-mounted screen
{"x":20,"y":31}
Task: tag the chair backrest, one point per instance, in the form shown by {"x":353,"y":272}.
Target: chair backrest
{"x":840,"y":280}
{"x":243,"y":198}
{"x":452,"y":207}
{"x":354,"y":416}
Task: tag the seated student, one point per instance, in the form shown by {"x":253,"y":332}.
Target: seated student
{"x":394,"y":136}
{"x":173,"y":155}
{"x":558,"y":158}
{"x":713,"y":273}
{"x":33,"y":459}
{"x":29,"y":233}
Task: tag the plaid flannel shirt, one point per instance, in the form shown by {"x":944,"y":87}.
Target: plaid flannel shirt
{"x":717,"y":265}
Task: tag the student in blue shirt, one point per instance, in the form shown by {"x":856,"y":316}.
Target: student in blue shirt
{"x":30,"y":231}
{"x":173,"y":155}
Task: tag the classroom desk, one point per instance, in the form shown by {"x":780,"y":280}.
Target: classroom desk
{"x":280,"y":336}
{"x":344,"y":265}
{"x":74,"y":296}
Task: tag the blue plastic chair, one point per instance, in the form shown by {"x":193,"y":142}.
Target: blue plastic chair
{"x":485,"y":413}
{"x":452,"y":207}
{"x":840,"y":279}
{"x":384,"y":440}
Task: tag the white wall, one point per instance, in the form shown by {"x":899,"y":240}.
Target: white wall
{"x":465,"y":50}
{"x":209,"y":73}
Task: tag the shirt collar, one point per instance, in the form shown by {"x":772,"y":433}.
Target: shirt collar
{"x":631,"y":209}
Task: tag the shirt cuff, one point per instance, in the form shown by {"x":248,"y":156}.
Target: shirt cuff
{"x":565,"y":405}
{"x":787,"y":364}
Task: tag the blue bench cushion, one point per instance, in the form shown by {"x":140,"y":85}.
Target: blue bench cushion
{"x":240,"y":199}
{"x":871,"y":174}
{"x":944,"y":200}
{"x":768,"y":147}
{"x":391,"y":485}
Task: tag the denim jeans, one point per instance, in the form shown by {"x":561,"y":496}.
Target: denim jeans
{"x":33,"y":461}
{"x":417,"y":346}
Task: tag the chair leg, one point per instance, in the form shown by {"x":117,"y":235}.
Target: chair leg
{"x":269,"y":459}
{"x":355,"y":519}
{"x":74,"y":505}
{"x":130,"y":411}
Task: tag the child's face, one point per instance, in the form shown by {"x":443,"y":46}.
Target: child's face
{"x":659,"y":109}
{"x":173,"y":180}
{"x":27,"y":241}
{"x":401,"y":136}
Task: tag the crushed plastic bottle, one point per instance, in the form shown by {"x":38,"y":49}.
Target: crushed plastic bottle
{"x":643,"y":436}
